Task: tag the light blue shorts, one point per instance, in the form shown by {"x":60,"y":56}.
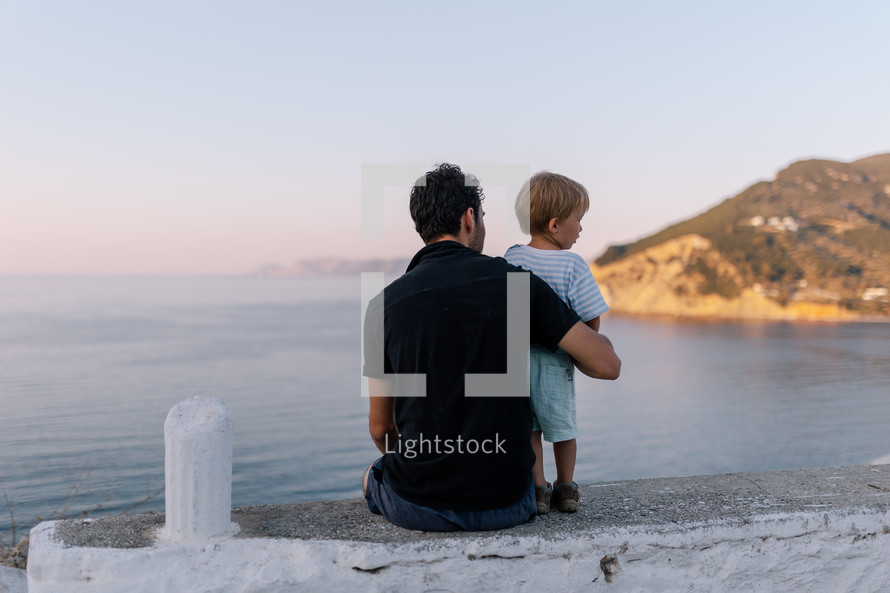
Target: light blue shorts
{"x":552,"y":392}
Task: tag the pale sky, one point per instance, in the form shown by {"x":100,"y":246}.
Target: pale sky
{"x":215,"y":137}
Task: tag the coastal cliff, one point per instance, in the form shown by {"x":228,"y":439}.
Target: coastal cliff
{"x":658,"y":281}
{"x":813,"y":244}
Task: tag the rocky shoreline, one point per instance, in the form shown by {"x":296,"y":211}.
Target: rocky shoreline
{"x":656,"y":282}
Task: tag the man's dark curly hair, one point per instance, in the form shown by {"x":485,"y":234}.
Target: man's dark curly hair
{"x":440,"y":198}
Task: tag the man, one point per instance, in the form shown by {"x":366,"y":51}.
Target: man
{"x":456,"y":460}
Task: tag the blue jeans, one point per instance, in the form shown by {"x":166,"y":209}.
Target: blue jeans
{"x":382,"y":500}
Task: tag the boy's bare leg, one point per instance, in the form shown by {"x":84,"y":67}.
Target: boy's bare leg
{"x":538,"y":469}
{"x":564,"y":453}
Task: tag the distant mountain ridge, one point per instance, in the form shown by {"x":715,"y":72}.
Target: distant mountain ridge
{"x":814,"y":243}
{"x":336,"y":266}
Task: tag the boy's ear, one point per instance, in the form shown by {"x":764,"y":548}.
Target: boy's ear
{"x":553,"y":225}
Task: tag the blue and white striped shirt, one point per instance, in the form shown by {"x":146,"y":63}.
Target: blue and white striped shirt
{"x":567,"y":274}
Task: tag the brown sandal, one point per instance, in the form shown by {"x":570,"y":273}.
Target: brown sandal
{"x":542,"y":498}
{"x":565,"y":497}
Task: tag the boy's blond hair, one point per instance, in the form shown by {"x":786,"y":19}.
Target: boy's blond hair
{"x":546,"y":196}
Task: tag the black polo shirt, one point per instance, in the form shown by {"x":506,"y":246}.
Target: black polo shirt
{"x":446,"y":317}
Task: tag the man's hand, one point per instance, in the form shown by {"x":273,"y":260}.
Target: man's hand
{"x":382,"y":417}
{"x":592,"y":352}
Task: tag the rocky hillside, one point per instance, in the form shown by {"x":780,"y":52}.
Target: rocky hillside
{"x":812,"y":244}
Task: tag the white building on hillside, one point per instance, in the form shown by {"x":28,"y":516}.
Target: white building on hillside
{"x":786,"y":223}
{"x":874,"y":294}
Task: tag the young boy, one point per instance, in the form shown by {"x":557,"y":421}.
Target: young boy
{"x":549,"y":208}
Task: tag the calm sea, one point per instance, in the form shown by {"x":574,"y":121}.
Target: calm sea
{"x":89,"y":368}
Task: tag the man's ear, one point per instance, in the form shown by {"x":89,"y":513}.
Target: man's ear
{"x":468,"y":220}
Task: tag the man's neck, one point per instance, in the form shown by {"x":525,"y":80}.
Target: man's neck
{"x":449,"y":238}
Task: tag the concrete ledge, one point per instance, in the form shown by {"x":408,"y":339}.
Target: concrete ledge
{"x":810,"y":530}
{"x":12,"y":580}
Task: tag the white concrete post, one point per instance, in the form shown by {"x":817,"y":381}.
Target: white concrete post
{"x":198,"y":437}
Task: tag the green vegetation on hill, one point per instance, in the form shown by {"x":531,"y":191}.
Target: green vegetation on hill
{"x":821,"y":225}
{"x":713,"y":282}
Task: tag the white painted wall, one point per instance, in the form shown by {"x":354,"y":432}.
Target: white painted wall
{"x":13,"y":580}
{"x":809,"y":552}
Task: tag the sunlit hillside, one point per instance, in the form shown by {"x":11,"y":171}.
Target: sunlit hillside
{"x":814,"y":243}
